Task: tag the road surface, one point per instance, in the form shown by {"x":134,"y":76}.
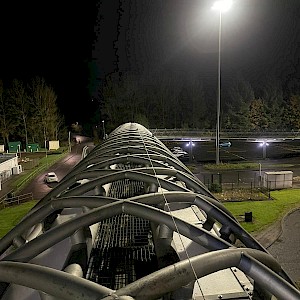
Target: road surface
{"x":39,"y":188}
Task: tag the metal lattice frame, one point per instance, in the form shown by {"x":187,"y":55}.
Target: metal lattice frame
{"x":131,"y":156}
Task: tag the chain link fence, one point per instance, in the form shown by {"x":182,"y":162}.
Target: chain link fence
{"x":238,"y":185}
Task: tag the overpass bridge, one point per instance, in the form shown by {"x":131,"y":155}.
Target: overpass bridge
{"x":209,"y":134}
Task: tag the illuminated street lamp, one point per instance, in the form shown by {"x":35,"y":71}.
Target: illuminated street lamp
{"x":264,"y":145}
{"x":221,"y":6}
{"x":191,"y":144}
{"x":103,"y":129}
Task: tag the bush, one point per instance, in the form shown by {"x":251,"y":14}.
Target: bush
{"x":215,"y":188}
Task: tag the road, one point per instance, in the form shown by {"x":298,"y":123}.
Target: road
{"x":242,"y":150}
{"x":39,"y":188}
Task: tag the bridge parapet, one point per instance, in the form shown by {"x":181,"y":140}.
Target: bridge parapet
{"x":210,"y":134}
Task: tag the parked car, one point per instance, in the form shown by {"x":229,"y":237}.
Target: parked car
{"x":225,"y":144}
{"x":50,"y":177}
{"x":179,"y":152}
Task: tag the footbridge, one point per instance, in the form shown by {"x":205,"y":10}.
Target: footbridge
{"x":207,"y":135}
{"x":131,"y":221}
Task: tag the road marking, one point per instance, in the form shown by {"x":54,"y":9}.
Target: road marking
{"x":235,"y":154}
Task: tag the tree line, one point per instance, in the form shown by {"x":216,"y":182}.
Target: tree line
{"x":173,"y":101}
{"x":29,"y":112}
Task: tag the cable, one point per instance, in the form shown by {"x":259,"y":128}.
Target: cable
{"x":170,"y":212}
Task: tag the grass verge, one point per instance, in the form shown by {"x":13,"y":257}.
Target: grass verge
{"x":266,"y":212}
{"x":243,"y":166}
{"x":11,"y":216}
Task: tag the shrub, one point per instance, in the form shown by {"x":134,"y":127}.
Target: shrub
{"x":215,"y":188}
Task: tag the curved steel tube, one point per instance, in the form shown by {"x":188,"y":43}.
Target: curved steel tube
{"x":56,"y":283}
{"x":28,"y":251}
{"x":168,"y":279}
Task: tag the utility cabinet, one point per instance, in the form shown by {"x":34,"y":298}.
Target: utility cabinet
{"x":278,"y":180}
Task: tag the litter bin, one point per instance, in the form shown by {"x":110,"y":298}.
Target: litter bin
{"x":248,"y":216}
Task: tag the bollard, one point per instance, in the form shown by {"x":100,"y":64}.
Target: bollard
{"x":248,"y":216}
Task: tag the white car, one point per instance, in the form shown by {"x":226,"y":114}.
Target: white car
{"x":225,"y":144}
{"x":50,"y":177}
{"x":179,"y":152}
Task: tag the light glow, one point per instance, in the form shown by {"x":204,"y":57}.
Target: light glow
{"x":222,"y":5}
{"x":189,"y":144}
{"x":264,"y":144}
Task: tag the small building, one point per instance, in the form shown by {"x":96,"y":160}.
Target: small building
{"x":9,"y":166}
{"x":53,"y":145}
{"x":14,"y":147}
{"x":32,"y":147}
{"x":278,"y":180}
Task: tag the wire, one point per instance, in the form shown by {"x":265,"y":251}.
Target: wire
{"x":170,"y":212}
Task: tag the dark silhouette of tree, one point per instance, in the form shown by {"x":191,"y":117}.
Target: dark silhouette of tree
{"x":19,"y":99}
{"x":8,"y":115}
{"x":45,"y":118}
{"x":257,"y":115}
{"x":272,"y":96}
{"x":292,"y":112}
{"x":237,"y":104}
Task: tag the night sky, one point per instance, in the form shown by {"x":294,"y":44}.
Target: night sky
{"x":51,"y":40}
{"x":74,"y":47}
{"x":259,"y":39}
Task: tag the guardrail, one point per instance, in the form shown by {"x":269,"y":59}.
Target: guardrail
{"x":9,"y":201}
{"x":211,"y":134}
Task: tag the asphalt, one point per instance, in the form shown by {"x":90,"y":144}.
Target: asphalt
{"x":37,"y":186}
{"x":286,"y":247}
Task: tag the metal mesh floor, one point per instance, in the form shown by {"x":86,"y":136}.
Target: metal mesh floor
{"x":122,"y":252}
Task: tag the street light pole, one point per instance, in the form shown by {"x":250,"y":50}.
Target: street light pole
{"x":69,"y":141}
{"x":219,"y":93}
{"x":103,"y":129}
{"x":221,"y":6}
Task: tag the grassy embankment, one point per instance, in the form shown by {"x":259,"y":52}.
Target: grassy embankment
{"x":10,"y":216}
{"x":265,"y":212}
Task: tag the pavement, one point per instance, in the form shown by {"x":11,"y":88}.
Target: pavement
{"x":285,"y":248}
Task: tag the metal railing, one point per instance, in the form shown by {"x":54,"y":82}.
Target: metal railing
{"x":228,"y":134}
{"x":14,"y":200}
